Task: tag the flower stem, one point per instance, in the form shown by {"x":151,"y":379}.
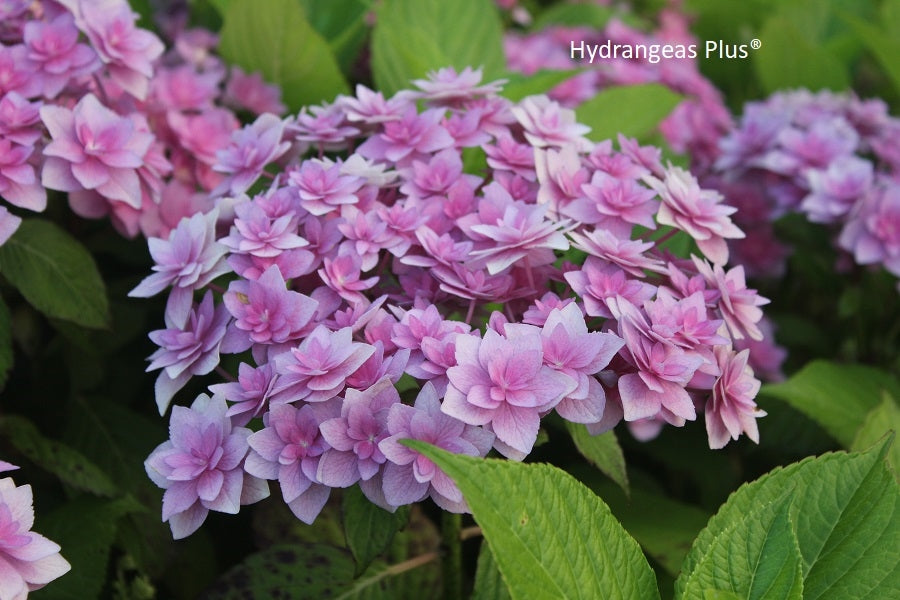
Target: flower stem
{"x":451,"y":555}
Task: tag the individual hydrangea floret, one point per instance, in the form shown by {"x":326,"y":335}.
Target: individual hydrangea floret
{"x":200,"y":467}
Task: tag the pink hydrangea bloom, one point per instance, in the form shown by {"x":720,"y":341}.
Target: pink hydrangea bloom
{"x":250,"y":150}
{"x":201,"y":466}
{"x":9,"y":223}
{"x":127,"y":51}
{"x":501,"y":380}
{"x":53,"y":46}
{"x":697,"y":211}
{"x":93,"y":148}
{"x":546,"y":124}
{"x":410,"y":476}
{"x":731,"y":411}
{"x":28,"y":560}
{"x":251,"y":92}
{"x":872,"y":232}
{"x":18,"y":183}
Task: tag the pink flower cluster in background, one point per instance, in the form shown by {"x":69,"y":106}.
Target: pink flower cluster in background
{"x":832,"y":157}
{"x":694,"y":127}
{"x":93,"y":105}
{"x":444,"y":265}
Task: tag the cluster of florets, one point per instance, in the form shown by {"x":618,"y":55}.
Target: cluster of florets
{"x":28,"y":560}
{"x":694,"y":126}
{"x":832,"y":157}
{"x":92,"y":105}
{"x":448,"y":267}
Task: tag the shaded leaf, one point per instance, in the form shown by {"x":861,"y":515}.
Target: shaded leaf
{"x":343,"y":25}
{"x":602,"y":451}
{"x":369,"y":528}
{"x":69,"y":465}
{"x":85,"y":529}
{"x":6,"y":344}
{"x":550,"y":535}
{"x":489,"y":584}
{"x":55,"y":273}
{"x":632,"y":110}
{"x":413,"y":37}
{"x":836,"y":396}
{"x":883,"y":45}
{"x":845,"y":514}
{"x":274,"y":38}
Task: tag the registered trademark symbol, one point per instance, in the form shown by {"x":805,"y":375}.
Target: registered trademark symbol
{"x":755,"y":43}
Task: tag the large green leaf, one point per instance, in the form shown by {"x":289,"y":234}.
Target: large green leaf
{"x":274,"y":38}
{"x":413,"y":37}
{"x":885,"y":46}
{"x":85,"y":529}
{"x":883,"y":418}
{"x":602,"y":451}
{"x":551,"y":536}
{"x":836,"y":396}
{"x":369,"y":528}
{"x":55,"y":273}
{"x":788,"y":59}
{"x":845,"y":513}
{"x":69,"y":465}
{"x":343,"y":25}
{"x":633,"y":110}
{"x":6,"y":346}
{"x":757,"y":558}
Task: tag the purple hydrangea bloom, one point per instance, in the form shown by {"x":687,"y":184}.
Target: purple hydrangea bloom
{"x":266,"y":312}
{"x":189,"y":350}
{"x":250,"y":150}
{"x":410,"y":476}
{"x":354,"y":436}
{"x":317,"y":369}
{"x":93,"y":148}
{"x":872,"y":232}
{"x":188,"y":260}
{"x":503,"y":381}
{"x":288,"y":449}
{"x":250,"y":393}
{"x":201,"y":466}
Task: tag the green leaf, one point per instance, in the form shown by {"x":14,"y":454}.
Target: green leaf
{"x":883,"y":418}
{"x":274,"y":38}
{"x":845,"y":513}
{"x":662,"y":526}
{"x":369,"y":528}
{"x":521,"y":86}
{"x":69,"y":465}
{"x":756,"y":558}
{"x":884,"y":46}
{"x":575,"y":15}
{"x":632,"y":110}
{"x":6,"y":344}
{"x":85,"y":529}
{"x":413,"y":37}
{"x":788,"y":59}
{"x":602,"y":451}
{"x":836,"y":396}
{"x":55,"y":273}
{"x":301,"y":572}
{"x":489,"y":584}
{"x":343,"y":25}
{"x":550,"y":535}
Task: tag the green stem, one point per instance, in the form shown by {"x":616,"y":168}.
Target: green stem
{"x":451,"y":555}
